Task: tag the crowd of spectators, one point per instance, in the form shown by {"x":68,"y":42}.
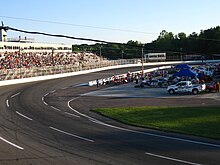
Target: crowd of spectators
{"x":12,"y":60}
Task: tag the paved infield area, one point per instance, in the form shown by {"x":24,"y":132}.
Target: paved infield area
{"x":126,"y":95}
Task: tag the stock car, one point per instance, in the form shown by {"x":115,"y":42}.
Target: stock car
{"x":163,"y":82}
{"x":211,"y":87}
{"x":155,"y":83}
{"x":150,"y":83}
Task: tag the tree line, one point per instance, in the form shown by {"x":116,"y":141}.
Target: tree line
{"x":206,"y":43}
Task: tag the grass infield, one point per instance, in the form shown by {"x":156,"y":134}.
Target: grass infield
{"x":198,"y":121}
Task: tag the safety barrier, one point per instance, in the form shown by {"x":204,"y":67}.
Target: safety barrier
{"x":24,"y":75}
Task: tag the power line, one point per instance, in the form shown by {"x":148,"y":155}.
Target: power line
{"x":65,"y":36}
{"x":85,"y":26}
{"x":57,"y":35}
{"x":69,"y":37}
{"x":88,"y":39}
{"x":96,"y":27}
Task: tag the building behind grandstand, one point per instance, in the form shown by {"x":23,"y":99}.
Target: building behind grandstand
{"x":28,"y":45}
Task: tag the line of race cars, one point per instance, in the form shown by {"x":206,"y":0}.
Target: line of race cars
{"x":161,"y":78}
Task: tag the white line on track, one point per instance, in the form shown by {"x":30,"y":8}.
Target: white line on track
{"x":44,"y":101}
{"x":15,"y":94}
{"x":72,"y":114}
{"x":79,"y":85}
{"x":24,"y":116}
{"x":46,"y":94}
{"x":76,"y":136}
{"x":139,"y":132}
{"x":55,"y":108}
{"x":11,"y":143}
{"x":64,"y":87}
{"x":81,"y":114}
{"x":157,"y":135}
{"x":171,"y":159}
{"x":53,"y":91}
{"x":7,"y":103}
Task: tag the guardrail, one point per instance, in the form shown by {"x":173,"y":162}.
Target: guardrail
{"x":24,"y":75}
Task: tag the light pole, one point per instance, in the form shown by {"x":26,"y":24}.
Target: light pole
{"x":181,"y":54}
{"x":20,"y":61}
{"x":4,"y":38}
{"x":142,"y":60}
{"x":100,"y":54}
{"x":52,"y":56}
{"x":122,"y":54}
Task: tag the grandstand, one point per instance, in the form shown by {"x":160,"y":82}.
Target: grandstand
{"x":22,"y":58}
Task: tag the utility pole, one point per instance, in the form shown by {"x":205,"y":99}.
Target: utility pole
{"x":3,"y":32}
{"x":20,"y":62}
{"x":142,"y":60}
{"x":53,"y":57}
{"x":100,"y":51}
{"x":100,"y":54}
{"x":181,"y":54}
{"x":122,"y":54}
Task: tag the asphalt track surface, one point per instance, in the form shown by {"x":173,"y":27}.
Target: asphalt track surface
{"x":50,"y":122}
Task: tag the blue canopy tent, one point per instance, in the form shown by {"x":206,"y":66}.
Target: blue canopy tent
{"x":182,"y":66}
{"x":185,"y":73}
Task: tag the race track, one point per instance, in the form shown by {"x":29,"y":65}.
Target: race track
{"x":50,"y":122}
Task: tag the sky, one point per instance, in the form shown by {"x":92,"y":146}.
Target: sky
{"x":109,"y":20}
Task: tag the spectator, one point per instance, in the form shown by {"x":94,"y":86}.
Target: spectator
{"x":136,"y":78}
{"x":10,"y":62}
{"x":97,"y":83}
{"x":217,"y":87}
{"x":27,"y":60}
